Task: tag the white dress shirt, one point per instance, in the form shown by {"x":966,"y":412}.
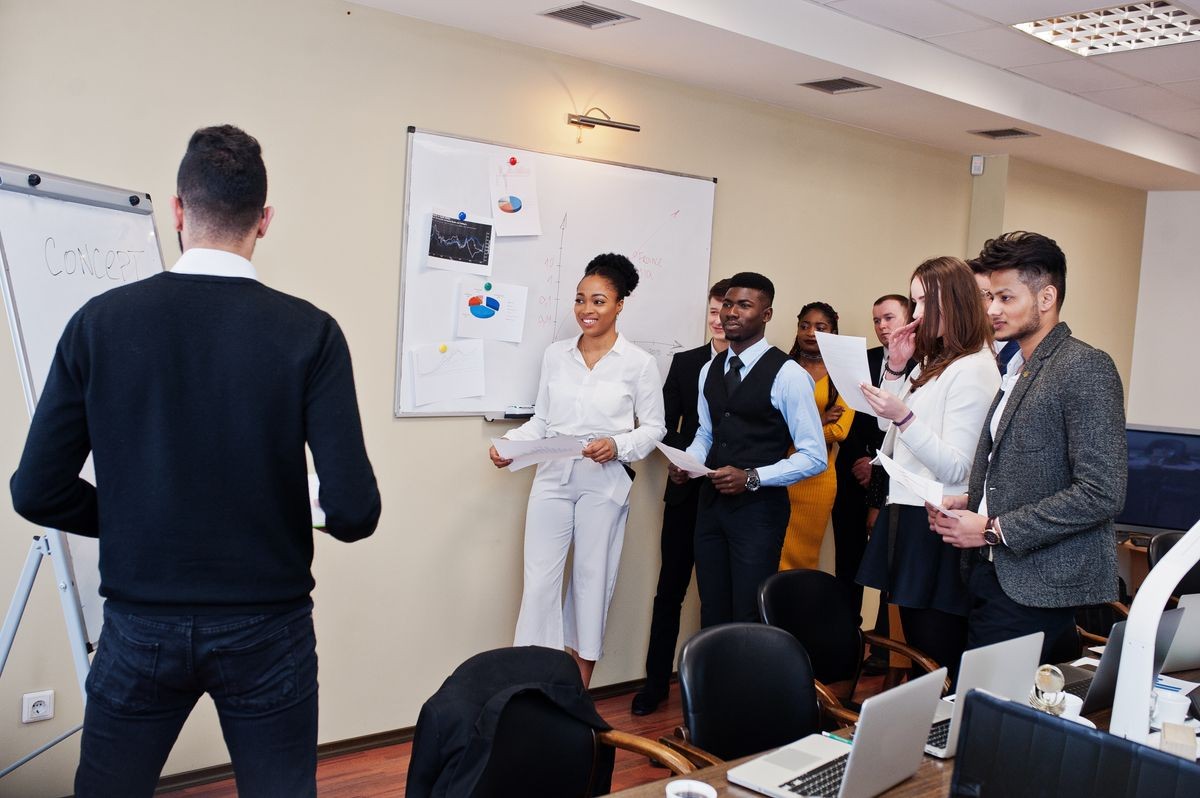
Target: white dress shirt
{"x":620,"y":397}
{"x":215,"y":263}
{"x":948,"y":415}
{"x":792,"y":396}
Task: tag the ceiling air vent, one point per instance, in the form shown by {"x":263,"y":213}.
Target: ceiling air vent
{"x":1004,"y":133}
{"x":588,"y":16}
{"x":838,"y":85}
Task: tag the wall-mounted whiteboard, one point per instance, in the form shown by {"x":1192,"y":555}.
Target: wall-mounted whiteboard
{"x":456,"y":354}
{"x":62,"y":242}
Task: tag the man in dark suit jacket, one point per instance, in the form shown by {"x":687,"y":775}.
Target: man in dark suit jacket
{"x":681,"y":392}
{"x":853,"y":463}
{"x":1050,"y":470}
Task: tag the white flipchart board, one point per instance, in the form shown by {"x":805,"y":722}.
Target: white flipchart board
{"x":62,"y":242}
{"x":662,"y":221}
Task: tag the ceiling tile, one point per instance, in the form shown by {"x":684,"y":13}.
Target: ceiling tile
{"x":1076,"y":76}
{"x":1011,"y":12}
{"x":1002,"y":47}
{"x":1187,"y":88}
{"x":1182,"y":121}
{"x":1174,"y":62}
{"x":919,"y":18}
{"x":1142,"y":99}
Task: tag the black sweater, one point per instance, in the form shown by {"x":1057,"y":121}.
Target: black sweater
{"x":196,"y":395}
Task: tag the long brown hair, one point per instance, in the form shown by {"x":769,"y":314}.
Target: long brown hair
{"x":952,"y":303}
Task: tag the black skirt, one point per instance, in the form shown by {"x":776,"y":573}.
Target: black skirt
{"x":920,"y":571}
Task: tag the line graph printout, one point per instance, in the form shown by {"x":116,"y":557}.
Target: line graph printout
{"x":462,"y":245}
{"x":451,"y":370}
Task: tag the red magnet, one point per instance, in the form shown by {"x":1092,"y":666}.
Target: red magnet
{"x":512,"y":161}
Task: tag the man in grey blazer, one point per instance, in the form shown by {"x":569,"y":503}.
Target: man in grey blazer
{"x":1051,"y":465}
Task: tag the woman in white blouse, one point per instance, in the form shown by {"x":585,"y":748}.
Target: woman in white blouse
{"x":606,"y":391}
{"x":933,"y":419}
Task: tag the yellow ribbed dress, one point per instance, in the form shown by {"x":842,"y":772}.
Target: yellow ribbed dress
{"x":812,"y":498}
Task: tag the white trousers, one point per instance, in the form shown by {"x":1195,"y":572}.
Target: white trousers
{"x":576,"y":502}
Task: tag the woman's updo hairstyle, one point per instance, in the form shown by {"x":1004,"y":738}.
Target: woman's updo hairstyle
{"x":617,"y":269}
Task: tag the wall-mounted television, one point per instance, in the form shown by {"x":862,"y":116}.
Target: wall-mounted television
{"x":1164,"y":480}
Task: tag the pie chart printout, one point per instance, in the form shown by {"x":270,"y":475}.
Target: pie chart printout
{"x":483,"y":307}
{"x":510,"y":204}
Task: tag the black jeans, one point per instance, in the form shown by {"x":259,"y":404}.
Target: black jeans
{"x":737,"y":547}
{"x":148,"y":673}
{"x":674,"y":576}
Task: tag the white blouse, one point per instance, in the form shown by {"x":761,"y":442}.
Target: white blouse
{"x":948,"y":415}
{"x":620,"y":397}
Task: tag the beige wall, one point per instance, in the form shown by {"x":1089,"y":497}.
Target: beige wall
{"x":1099,"y":227}
{"x":109,"y":92}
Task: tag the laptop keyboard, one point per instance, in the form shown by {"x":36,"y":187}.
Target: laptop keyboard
{"x":939,"y":734}
{"x":1079,"y":688}
{"x":825,"y":780}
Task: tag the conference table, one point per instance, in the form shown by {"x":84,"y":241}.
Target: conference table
{"x":931,"y":780}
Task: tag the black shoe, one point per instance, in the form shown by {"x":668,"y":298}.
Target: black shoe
{"x":647,"y":700}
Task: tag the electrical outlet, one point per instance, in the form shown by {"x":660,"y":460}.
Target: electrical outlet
{"x":37,"y":706}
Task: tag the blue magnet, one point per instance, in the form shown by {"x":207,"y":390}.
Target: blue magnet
{"x":462,"y":216}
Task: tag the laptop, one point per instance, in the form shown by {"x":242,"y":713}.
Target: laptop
{"x":1003,"y":669}
{"x":892,"y":728}
{"x":1185,"y":649}
{"x":1098,"y":689}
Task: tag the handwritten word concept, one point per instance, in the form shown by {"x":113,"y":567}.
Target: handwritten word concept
{"x":119,"y":265}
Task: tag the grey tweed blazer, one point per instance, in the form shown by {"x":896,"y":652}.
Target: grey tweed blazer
{"x":1057,"y":476}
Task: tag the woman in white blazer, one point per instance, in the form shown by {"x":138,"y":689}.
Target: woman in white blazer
{"x":601,"y":388}
{"x":933,"y":419}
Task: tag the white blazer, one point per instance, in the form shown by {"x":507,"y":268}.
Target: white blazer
{"x":948,"y":415}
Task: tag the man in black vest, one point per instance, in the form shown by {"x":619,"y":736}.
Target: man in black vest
{"x":680,"y":397}
{"x":755,"y":405}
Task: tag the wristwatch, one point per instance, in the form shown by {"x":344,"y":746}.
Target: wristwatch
{"x":752,"y":482}
{"x":990,"y":535}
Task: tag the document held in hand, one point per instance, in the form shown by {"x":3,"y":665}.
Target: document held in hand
{"x":928,"y":489}
{"x":846,"y":359}
{"x":684,"y":461}
{"x":525,"y":453}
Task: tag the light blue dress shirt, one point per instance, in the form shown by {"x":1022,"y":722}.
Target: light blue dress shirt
{"x":791,"y":395}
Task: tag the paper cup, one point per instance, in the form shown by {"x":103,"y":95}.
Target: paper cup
{"x":1072,"y":704}
{"x":690,"y":788}
{"x":1171,"y":708}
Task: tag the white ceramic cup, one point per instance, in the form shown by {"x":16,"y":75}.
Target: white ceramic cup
{"x":1171,"y":708}
{"x":1071,"y":705}
{"x":690,"y":788}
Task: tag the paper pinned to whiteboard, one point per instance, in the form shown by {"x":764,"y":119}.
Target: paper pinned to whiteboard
{"x":451,"y":370}
{"x":515,"y":200}
{"x":460,"y":245}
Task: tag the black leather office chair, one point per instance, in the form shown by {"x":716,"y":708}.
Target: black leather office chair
{"x":539,"y":750}
{"x":1160,"y":544}
{"x":1009,"y":750}
{"x":816,"y":608}
{"x":745,"y":688}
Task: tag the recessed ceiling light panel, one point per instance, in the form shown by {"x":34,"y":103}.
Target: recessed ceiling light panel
{"x":1132,"y":26}
{"x":838,"y":85}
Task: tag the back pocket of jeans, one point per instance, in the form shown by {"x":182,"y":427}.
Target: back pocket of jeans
{"x":124,"y":672}
{"x":259,"y":676}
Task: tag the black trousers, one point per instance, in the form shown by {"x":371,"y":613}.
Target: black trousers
{"x":941,"y":635}
{"x":994,"y":617}
{"x":674,"y":576}
{"x":849,"y":533}
{"x":738,"y":544}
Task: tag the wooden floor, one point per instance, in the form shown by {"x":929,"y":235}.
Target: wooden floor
{"x":381,"y":772}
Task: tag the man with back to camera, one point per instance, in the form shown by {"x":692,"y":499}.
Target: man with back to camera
{"x":196,"y":390}
{"x":1050,"y":470}
{"x":679,"y":513}
{"x":755,"y":403}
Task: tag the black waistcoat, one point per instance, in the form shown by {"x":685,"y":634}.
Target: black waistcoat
{"x":747,"y":431}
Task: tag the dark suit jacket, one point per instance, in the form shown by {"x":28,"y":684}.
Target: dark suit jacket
{"x":456,"y":726}
{"x":1057,"y":476}
{"x":681,"y":393}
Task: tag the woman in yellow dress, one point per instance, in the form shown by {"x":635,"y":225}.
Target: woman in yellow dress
{"x":812,"y":498}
